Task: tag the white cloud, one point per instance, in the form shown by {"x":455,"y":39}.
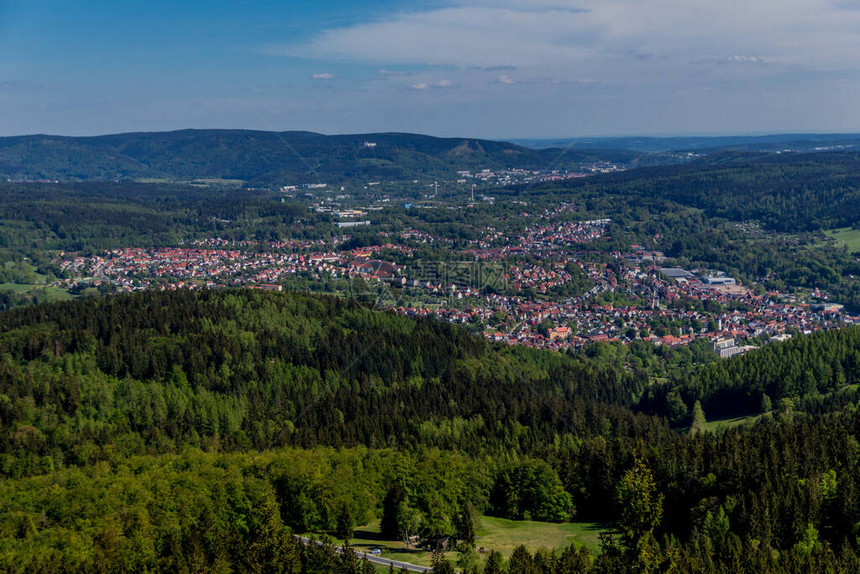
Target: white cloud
{"x":323,"y":76}
{"x":599,"y":34}
{"x":605,"y":66}
{"x":463,"y":35}
{"x":735,"y":60}
{"x":743,"y":60}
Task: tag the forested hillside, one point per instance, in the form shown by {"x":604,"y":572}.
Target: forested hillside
{"x":268,"y":157}
{"x":182,"y":431}
{"x":784,"y":192}
{"x":254,"y":370}
{"x":769,"y":143}
{"x":819,"y":365}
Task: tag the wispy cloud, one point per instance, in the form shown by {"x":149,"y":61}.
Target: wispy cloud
{"x":513,"y":34}
{"x":662,"y":65}
{"x":734,"y":60}
{"x":743,"y":60}
{"x":323,"y":76}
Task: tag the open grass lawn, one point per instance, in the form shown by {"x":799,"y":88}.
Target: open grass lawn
{"x":16,"y":287}
{"x":367,"y":537}
{"x":39,"y":284}
{"x":219,"y":181}
{"x":505,"y":535}
{"x":38,"y":277}
{"x":52,"y":293}
{"x":58,"y":294}
{"x":493,"y":534}
{"x":848,"y":236}
{"x":720,"y":425}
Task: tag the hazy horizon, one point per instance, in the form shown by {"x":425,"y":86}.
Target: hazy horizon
{"x":739,"y":135}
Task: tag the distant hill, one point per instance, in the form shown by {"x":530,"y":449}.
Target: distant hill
{"x":270,"y":157}
{"x":786,"y":192}
{"x":706,"y":144}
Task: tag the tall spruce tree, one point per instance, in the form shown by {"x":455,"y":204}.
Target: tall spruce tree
{"x":345,"y":523}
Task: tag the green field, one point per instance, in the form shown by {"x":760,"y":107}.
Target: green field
{"x":505,"y":535}
{"x":17,"y":287}
{"x":51,"y":293}
{"x":847,"y":236}
{"x":720,"y":425}
{"x":494,"y":534}
{"x":36,"y":284}
{"x":28,"y":268}
{"x":58,"y":294}
{"x":203,"y":182}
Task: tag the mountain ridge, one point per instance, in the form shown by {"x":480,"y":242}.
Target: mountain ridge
{"x":261,"y":157}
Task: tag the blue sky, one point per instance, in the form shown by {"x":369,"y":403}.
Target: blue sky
{"x":481,"y":68}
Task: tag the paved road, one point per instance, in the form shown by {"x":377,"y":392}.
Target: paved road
{"x":374,"y":558}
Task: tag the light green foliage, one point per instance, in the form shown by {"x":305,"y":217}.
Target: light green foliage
{"x":846,"y":236}
{"x":699,"y":419}
{"x":440,"y":564}
{"x":716,"y":524}
{"x":809,"y":540}
{"x":468,"y":560}
{"x":640,"y":510}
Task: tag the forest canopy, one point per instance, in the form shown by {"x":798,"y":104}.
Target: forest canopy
{"x":175,"y":430}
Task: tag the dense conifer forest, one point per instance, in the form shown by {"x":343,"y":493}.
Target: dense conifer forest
{"x":184,"y":431}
